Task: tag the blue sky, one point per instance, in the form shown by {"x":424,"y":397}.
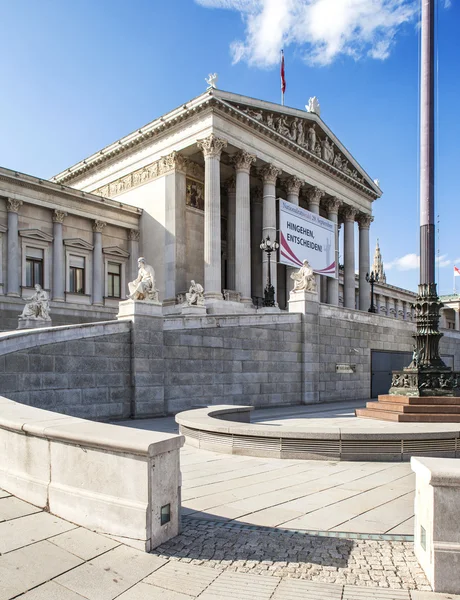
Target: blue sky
{"x":79,"y":75}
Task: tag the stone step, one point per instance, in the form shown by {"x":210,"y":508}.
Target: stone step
{"x":414,"y":408}
{"x":386,"y":415}
{"x":438,"y":400}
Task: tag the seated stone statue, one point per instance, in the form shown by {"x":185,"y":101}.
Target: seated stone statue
{"x":38,"y":307}
{"x":143,"y":287}
{"x":195,"y":295}
{"x":305,"y":280}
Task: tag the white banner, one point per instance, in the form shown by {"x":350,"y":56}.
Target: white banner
{"x":306,"y":236}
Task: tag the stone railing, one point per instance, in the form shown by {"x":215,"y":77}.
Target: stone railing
{"x":115,"y":480}
{"x":437,"y":521}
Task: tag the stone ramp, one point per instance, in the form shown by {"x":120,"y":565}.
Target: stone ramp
{"x":416,"y":409}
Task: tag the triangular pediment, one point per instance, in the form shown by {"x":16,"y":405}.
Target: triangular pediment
{"x":36,"y":234}
{"x":78,"y":243}
{"x":115,"y":251}
{"x":306,"y":131}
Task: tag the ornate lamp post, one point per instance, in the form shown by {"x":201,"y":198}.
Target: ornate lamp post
{"x":372,"y":279}
{"x":269,"y":292}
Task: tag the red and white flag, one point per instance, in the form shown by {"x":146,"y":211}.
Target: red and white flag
{"x":456,"y":272}
{"x":283,"y":79}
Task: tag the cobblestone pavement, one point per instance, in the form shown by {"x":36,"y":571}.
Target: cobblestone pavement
{"x":286,"y":554}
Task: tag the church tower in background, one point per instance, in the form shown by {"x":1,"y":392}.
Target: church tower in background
{"x":377,"y":265}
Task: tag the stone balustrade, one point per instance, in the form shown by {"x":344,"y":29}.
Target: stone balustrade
{"x":115,"y":480}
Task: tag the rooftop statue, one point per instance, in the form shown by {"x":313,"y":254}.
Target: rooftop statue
{"x":305,"y":279}
{"x":143,"y":287}
{"x":211,"y":80}
{"x":38,"y":307}
{"x":313,"y":106}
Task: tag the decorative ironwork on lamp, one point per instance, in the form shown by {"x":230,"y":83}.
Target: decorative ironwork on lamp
{"x":269,"y":246}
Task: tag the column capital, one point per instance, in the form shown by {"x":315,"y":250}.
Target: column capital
{"x":364,"y":220}
{"x":293,"y":185}
{"x":98,"y":226}
{"x":332,"y":205}
{"x":133,"y":235}
{"x":174,"y":161}
{"x":59,"y":216}
{"x":349,"y":213}
{"x":270,"y":173}
{"x":243,"y":161}
{"x":314,"y":195}
{"x":13,"y":205}
{"x":212,"y":146}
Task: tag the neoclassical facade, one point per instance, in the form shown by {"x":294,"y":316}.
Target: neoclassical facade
{"x":77,"y":246}
{"x":207,"y":176}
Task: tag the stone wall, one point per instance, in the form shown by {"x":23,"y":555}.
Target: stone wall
{"x":87,"y":377}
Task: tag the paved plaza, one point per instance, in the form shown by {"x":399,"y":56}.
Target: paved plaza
{"x":253,"y":528}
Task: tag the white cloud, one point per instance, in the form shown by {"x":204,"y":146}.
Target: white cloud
{"x":324,"y":29}
{"x":405,"y":263}
{"x":443,"y":261}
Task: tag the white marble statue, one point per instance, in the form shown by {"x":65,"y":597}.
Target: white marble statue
{"x":305,"y":280}
{"x":313,"y":106}
{"x":211,"y":80}
{"x":377,"y":182}
{"x":195,"y":294}
{"x":38,"y":307}
{"x":143,"y":287}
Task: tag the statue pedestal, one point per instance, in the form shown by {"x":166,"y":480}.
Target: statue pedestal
{"x":193,"y":311}
{"x":228,"y":307}
{"x":139,"y":308}
{"x":33,"y":323}
{"x":303,"y":302}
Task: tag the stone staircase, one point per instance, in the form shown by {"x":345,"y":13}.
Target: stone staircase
{"x":417,"y":409}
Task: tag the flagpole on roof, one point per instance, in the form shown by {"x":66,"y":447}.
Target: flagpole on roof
{"x":283,"y":80}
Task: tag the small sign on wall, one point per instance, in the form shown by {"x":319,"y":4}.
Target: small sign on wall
{"x":345,"y":368}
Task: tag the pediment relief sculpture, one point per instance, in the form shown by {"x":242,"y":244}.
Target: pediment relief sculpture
{"x":307,"y":135}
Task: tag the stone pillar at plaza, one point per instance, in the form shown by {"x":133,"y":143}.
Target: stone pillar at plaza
{"x":396,"y":305}
{"x":13,"y":269}
{"x":364,"y":222}
{"x":212,"y":147}
{"x":293,"y":185}
{"x":243,"y":161}
{"x":314,"y":196}
{"x":133,"y":249}
{"x":175,"y":244}
{"x":98,"y":263}
{"x":377,"y":303}
{"x":58,"y":290}
{"x":404,"y":309}
{"x":349,"y":215}
{"x":332,"y":206}
{"x":457,"y":319}
{"x":231,"y":194}
{"x":269,"y":174}
{"x":256,"y":238}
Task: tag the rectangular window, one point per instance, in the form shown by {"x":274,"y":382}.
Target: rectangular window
{"x":34,"y":267}
{"x":77,"y":274}
{"x":114,"y":280}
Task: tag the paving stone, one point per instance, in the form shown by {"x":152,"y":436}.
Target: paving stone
{"x":362,"y":593}
{"x":107,"y":576}
{"x":12,"y":508}
{"x":23,"y":531}
{"x":51,"y":591}
{"x":292,"y":589}
{"x":229,"y":586}
{"x":84,"y":543}
{"x":418,"y":595}
{"x":177,"y":577}
{"x":28,"y":567}
{"x":145,"y":591}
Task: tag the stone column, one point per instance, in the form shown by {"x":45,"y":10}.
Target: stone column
{"x":332,"y":206}
{"x":58,"y":289}
{"x":269,"y":175}
{"x":231,"y":193}
{"x":314,"y":196}
{"x":256,"y":238}
{"x":364,"y":222}
{"x":349,"y":214}
{"x":404,"y":309}
{"x":293,"y":185}
{"x":457,"y":319}
{"x":13,"y":263}
{"x":377,"y":303}
{"x":98,"y":264}
{"x":212,"y":147}
{"x":133,"y":249}
{"x":396,"y":305}
{"x":243,"y":161}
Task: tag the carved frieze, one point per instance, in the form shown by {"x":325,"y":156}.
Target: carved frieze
{"x":416,"y":382}
{"x":194,"y":195}
{"x":305,"y":134}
